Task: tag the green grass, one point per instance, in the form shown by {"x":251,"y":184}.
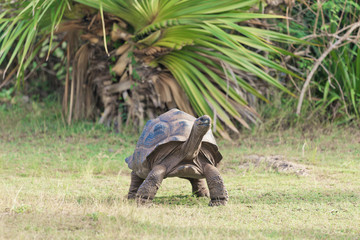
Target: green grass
{"x":60,"y":182}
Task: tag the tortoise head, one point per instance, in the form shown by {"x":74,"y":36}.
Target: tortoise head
{"x":201,"y":125}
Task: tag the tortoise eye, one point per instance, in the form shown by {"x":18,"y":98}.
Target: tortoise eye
{"x":204,"y":120}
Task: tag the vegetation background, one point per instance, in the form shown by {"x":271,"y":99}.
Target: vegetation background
{"x":79,"y":79}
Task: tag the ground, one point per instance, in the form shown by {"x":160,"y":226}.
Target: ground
{"x":60,"y":182}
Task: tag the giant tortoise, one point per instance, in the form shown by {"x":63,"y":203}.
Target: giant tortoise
{"x":176,"y":144}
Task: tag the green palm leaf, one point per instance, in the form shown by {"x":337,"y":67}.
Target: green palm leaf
{"x":31,"y":18}
{"x":201,"y":37}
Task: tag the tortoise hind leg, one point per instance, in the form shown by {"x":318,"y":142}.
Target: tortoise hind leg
{"x":199,"y":187}
{"x":134,"y":185}
{"x":149,"y":187}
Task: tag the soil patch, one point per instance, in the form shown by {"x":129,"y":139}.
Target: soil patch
{"x":276,"y":162}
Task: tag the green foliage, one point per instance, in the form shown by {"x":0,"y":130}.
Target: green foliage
{"x":207,"y":42}
{"x":336,"y":84}
{"x":22,"y":209}
{"x":343,"y":86}
{"x":20,"y":26}
{"x":203,"y":38}
{"x":6,"y":94}
{"x":279,"y":115}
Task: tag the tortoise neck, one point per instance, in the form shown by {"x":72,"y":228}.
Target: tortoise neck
{"x":192,"y":146}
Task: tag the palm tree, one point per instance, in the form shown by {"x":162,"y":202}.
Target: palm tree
{"x":193,"y":54}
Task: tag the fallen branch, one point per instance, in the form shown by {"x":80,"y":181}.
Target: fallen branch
{"x":8,"y":78}
{"x":319,"y":61}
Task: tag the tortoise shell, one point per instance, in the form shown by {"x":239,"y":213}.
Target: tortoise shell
{"x":161,"y":135}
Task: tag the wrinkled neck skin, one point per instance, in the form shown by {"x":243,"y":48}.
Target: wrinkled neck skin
{"x":188,"y":150}
{"x":191,"y":147}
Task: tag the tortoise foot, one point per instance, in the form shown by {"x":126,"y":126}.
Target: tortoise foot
{"x":204,"y":193}
{"x":144,"y":201}
{"x":217,"y":202}
{"x":131,"y":196}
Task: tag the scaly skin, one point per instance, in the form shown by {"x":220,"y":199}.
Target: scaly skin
{"x":199,"y":187}
{"x":149,"y":187}
{"x":218,"y":194}
{"x":134,"y":185}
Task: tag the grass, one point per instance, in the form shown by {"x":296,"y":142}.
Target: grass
{"x":60,"y":182}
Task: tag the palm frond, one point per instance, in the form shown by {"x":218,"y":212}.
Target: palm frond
{"x":24,"y":24}
{"x":201,"y":38}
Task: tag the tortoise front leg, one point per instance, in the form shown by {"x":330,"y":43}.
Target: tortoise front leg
{"x":199,"y":187}
{"x":136,"y":181}
{"x":149,"y":187}
{"x":218,"y":193}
